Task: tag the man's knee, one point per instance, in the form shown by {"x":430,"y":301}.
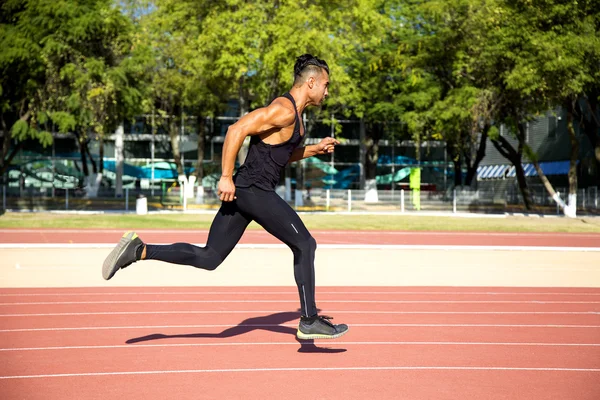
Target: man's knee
{"x":210,"y":260}
{"x":312,"y":243}
{"x":306,"y":246}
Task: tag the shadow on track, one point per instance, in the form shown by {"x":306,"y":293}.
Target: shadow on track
{"x":270,"y":323}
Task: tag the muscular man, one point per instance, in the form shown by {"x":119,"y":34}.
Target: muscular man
{"x":276,"y":132}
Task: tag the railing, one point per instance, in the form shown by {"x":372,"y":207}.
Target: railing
{"x":316,"y":199}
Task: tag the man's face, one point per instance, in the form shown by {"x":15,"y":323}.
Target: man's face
{"x":320,"y":89}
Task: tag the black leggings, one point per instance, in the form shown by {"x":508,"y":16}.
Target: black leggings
{"x":270,"y":211}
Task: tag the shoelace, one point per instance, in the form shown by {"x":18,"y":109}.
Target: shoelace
{"x":325,"y":319}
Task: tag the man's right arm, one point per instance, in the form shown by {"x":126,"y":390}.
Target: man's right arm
{"x":262,"y":120}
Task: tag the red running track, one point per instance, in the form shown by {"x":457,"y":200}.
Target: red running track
{"x":322,"y":237}
{"x":239,"y":343}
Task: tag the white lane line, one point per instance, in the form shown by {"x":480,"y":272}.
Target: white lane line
{"x":94,"y":328}
{"x":305,"y":369}
{"x":33,"y":267}
{"x":320,"y":232}
{"x":292,"y":292}
{"x":321,"y":246}
{"x":248,"y":344}
{"x":47,"y":303}
{"x":591,"y":313}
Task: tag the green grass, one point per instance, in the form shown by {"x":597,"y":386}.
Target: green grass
{"x":312,"y":221}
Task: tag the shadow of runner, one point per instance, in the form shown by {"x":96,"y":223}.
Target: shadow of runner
{"x":271,"y":323}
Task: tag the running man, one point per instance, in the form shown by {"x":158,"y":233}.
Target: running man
{"x":276,"y":132}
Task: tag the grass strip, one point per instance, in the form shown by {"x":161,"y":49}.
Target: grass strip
{"x":312,"y":221}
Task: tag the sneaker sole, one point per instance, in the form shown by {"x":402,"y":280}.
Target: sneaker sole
{"x":109,"y":267}
{"x":307,"y":336}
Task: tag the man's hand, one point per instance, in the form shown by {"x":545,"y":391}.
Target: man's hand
{"x":326,"y":145}
{"x":226,"y":189}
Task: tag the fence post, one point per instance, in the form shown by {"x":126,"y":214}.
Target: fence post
{"x":349,"y":200}
{"x":4,"y":197}
{"x":183,"y":184}
{"x":557,"y":205}
{"x":327,"y":200}
{"x":126,"y":199}
{"x":596,"y":197}
{"x":66,"y":198}
{"x":454,"y":201}
{"x":402,"y":200}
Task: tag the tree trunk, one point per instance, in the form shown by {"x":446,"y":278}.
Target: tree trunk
{"x":201,"y":144}
{"x":362,"y":153}
{"x":590,"y":127}
{"x":92,"y":182}
{"x":506,"y":149}
{"x":5,"y":148}
{"x":101,"y":160}
{"x":456,"y":163}
{"x":175,"y":147}
{"x":6,"y":157}
{"x":371,"y":158}
{"x":457,"y":171}
{"x":555,"y":196}
{"x":472,"y":168}
{"x":81,"y":141}
{"x":372,"y":150}
{"x":241,"y":156}
{"x":6,"y":162}
{"x":119,"y":160}
{"x":572,"y":166}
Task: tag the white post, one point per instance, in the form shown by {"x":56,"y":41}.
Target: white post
{"x":298,"y":200}
{"x":152,"y":150}
{"x":402,"y":200}
{"x":200,"y":194}
{"x":454,"y":201}
{"x":596,"y":197}
{"x":66,"y":198}
{"x":183,"y":185}
{"x":349,"y":200}
{"x":327,"y":200}
{"x":126,"y":199}
{"x":119,"y":160}
{"x":557,"y":204}
{"x":583,"y":199}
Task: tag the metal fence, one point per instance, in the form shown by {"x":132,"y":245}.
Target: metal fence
{"x":317,"y":200}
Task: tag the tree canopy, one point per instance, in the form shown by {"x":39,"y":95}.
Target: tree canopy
{"x":448,"y":70}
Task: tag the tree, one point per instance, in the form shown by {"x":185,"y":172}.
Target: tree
{"x":85,"y":77}
{"x":550,"y":51}
{"x":22,"y":79}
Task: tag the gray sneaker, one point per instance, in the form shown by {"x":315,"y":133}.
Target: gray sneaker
{"x":319,"y":327}
{"x":124,"y":254}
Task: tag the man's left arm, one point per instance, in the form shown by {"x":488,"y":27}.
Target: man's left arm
{"x":325,"y":146}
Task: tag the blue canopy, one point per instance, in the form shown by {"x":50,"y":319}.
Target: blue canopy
{"x":508,"y":170}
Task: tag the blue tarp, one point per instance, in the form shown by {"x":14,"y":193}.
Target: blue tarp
{"x":160,"y":172}
{"x":386,"y":159}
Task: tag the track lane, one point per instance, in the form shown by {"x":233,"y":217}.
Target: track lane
{"x":380,"y":384}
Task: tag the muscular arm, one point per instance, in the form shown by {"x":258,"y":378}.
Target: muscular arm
{"x":304,"y":152}
{"x":260,"y":121}
{"x":325,"y":146}
{"x":273,"y":117}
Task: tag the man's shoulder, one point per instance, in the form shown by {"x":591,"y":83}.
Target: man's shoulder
{"x":281,"y":103}
{"x":282,"y":109}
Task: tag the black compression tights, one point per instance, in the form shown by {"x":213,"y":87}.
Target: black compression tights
{"x":272,"y":213}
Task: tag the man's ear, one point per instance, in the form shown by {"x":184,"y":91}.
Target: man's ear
{"x":311,"y":82}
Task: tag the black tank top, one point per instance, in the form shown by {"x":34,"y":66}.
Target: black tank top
{"x":264,"y":161}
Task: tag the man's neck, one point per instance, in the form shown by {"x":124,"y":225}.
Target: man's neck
{"x":300,"y":97}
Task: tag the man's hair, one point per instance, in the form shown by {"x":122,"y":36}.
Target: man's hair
{"x":306,"y":64}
